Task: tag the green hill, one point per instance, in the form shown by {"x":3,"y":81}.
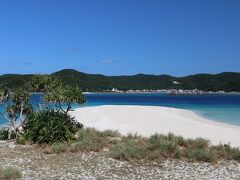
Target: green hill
{"x":227,"y":81}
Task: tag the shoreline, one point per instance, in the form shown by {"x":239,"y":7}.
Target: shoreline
{"x":147,"y":120}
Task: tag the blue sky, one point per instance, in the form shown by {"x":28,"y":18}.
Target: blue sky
{"x":120,"y":37}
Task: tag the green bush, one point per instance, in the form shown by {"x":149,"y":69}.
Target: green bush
{"x":227,"y":152}
{"x":4,"y":134}
{"x":9,"y":173}
{"x":21,"y":140}
{"x":164,"y":146}
{"x":50,"y":127}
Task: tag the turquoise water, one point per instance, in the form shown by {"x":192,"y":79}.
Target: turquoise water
{"x":222,"y":108}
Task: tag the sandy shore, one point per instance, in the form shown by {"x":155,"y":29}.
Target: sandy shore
{"x":147,"y":120}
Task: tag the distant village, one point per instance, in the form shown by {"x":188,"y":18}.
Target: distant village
{"x":168,"y":91}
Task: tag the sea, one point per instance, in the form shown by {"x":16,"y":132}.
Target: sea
{"x":220,"y":107}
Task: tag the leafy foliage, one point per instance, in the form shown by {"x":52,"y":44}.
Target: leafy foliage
{"x":4,"y":134}
{"x":43,"y":83}
{"x":65,"y":96}
{"x":20,"y":104}
{"x":50,"y":127}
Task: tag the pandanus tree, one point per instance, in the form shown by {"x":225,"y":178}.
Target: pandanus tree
{"x":64,"y":96}
{"x":61,"y":97}
{"x":53,"y":123}
{"x":17,"y":106}
{"x":44,"y":84}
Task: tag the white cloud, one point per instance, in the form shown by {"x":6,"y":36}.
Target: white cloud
{"x":107,"y":61}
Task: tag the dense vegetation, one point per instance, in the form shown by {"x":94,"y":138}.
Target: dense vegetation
{"x":50,"y":127}
{"x":227,"y":81}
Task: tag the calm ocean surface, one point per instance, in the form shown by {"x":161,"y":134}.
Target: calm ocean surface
{"x":222,"y":108}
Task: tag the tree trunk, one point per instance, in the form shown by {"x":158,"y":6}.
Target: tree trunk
{"x":9,"y":133}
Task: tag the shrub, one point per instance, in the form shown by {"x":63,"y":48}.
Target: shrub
{"x":21,"y":140}
{"x":129,"y":149}
{"x":50,"y":127}
{"x":164,"y":146}
{"x":227,"y":152}
{"x":181,"y":141}
{"x":207,"y":155}
{"x":9,"y":173}
{"x":4,"y":134}
{"x":90,"y":139}
{"x":198,"y":143}
{"x":158,"y":141}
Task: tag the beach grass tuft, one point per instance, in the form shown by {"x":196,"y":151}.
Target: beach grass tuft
{"x":90,"y":139}
{"x":59,"y":148}
{"x":130,"y":147}
{"x":111,"y":133}
{"x":202,"y":154}
{"x":227,"y":152}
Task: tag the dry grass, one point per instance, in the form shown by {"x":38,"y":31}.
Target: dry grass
{"x":135,"y":147}
{"x":159,"y":147}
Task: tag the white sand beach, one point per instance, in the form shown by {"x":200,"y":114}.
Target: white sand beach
{"x":147,"y":120}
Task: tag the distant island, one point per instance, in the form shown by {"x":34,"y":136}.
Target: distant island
{"x":226,"y":81}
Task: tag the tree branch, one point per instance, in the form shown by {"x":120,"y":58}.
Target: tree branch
{"x":6,"y":117}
